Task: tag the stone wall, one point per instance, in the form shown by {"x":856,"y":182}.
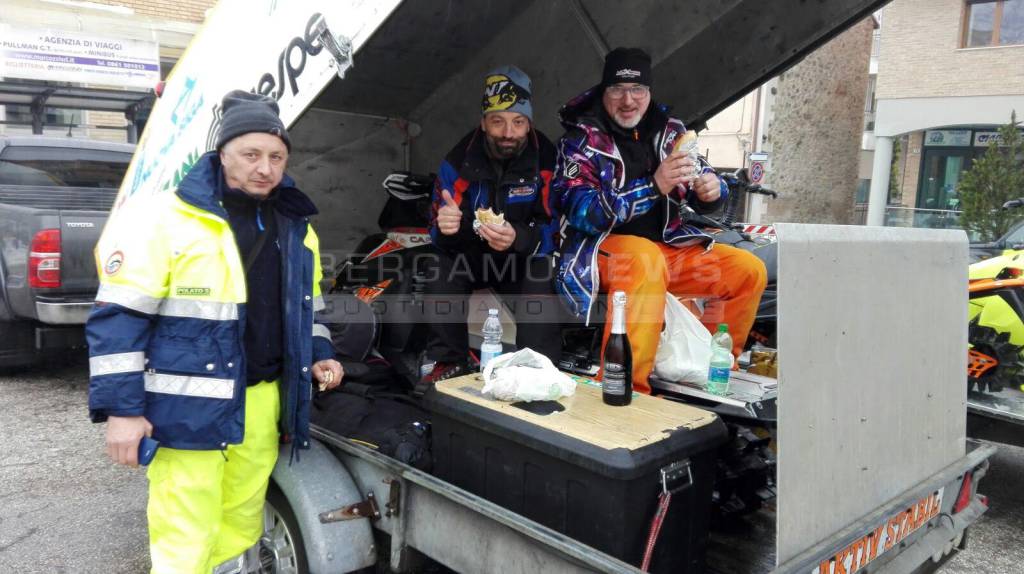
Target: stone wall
{"x":815,"y":132}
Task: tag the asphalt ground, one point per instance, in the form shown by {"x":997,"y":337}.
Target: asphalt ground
{"x":64,"y":508}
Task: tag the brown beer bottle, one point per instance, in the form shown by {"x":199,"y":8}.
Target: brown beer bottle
{"x":617,"y":381}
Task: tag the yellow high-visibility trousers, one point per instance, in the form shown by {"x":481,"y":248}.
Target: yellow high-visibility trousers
{"x":206,"y":506}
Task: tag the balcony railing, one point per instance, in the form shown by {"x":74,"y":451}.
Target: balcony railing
{"x":896,"y":216}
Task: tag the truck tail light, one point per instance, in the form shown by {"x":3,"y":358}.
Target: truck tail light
{"x":964,"y":499}
{"x":44,"y":260}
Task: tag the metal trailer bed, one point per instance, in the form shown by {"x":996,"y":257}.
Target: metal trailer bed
{"x":464,"y":532}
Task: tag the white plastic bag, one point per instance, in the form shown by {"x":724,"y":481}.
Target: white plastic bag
{"x":684,"y":351}
{"x":525,"y":375}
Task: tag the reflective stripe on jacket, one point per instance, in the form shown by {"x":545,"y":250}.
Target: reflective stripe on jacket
{"x":165,"y":334}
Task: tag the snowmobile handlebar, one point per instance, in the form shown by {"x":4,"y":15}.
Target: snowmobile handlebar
{"x":739,"y":181}
{"x":408,"y":186}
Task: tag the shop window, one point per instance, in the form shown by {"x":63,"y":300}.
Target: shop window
{"x":940,"y":176}
{"x":993,"y":23}
{"x":21,"y":114}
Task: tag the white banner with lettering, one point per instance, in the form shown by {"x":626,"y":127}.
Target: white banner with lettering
{"x":263,"y":46}
{"x":62,"y":56}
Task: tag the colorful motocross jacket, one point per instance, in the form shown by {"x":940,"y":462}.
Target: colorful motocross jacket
{"x":165,"y":334}
{"x":593,"y":197}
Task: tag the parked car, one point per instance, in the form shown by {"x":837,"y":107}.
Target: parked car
{"x":55,"y":195}
{"x":1011,"y":240}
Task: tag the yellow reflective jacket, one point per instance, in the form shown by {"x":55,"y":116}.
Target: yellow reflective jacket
{"x":165,"y":334}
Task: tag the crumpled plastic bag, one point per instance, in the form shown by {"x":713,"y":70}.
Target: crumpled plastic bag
{"x":525,"y":375}
{"x":684,"y":350}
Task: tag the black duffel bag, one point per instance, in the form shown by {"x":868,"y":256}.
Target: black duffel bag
{"x":391,"y":423}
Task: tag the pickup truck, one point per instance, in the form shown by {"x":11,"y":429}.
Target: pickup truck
{"x":55,"y":195}
{"x":874,"y":470}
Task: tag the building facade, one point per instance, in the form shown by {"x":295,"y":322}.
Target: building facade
{"x":88,"y":69}
{"x":950,"y":72}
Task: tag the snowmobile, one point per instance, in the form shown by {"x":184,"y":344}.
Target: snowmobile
{"x":996,"y":321}
{"x":382,"y":279}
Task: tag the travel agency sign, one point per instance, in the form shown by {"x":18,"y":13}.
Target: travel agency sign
{"x":62,"y":56}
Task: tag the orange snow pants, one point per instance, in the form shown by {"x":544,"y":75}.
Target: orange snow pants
{"x":731,"y":281}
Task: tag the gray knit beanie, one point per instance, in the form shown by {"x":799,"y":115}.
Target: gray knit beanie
{"x":245,"y":112}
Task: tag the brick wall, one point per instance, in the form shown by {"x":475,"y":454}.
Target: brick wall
{"x":815,"y":131}
{"x":109,"y":120}
{"x":921,"y":55}
{"x":181,"y":10}
{"x":911,"y":162}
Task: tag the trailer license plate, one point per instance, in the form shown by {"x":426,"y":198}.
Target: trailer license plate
{"x":883,"y":537}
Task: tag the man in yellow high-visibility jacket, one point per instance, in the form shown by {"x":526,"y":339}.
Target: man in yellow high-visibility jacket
{"x":203,"y":336}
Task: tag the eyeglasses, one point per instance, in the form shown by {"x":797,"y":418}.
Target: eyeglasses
{"x":618,"y":92}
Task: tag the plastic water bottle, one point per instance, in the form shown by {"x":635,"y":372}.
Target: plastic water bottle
{"x":491,"y":346}
{"x":721,"y":361}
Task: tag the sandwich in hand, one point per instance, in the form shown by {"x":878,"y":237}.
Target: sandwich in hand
{"x":687,"y":143}
{"x":488,"y":216}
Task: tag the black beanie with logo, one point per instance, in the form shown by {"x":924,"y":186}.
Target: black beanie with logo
{"x":626,"y":66}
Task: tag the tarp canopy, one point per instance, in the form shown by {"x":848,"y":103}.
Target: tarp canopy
{"x":720,"y":50}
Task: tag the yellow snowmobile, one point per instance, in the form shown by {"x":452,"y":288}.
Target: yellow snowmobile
{"x":996,"y":323}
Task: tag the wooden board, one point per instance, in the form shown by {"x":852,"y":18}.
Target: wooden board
{"x":645,"y":421}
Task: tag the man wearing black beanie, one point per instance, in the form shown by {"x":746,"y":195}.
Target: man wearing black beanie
{"x":204,"y":338}
{"x":627,"y":191}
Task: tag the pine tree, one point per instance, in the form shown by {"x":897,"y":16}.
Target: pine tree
{"x":995,"y":178}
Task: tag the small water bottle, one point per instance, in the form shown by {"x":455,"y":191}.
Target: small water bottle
{"x":491,"y":346}
{"x":721,"y":361}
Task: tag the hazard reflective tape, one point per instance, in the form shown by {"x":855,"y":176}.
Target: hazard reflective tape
{"x":193,"y":309}
{"x":321,"y":331}
{"x":128,"y":297}
{"x":117,"y":363}
{"x":318,"y":303}
{"x":190,"y":386}
{"x":759,"y":229}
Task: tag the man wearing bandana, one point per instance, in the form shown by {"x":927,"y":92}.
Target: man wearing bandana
{"x":491,"y":224}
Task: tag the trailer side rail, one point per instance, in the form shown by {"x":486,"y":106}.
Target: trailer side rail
{"x":457,"y":528}
{"x":807,"y":560}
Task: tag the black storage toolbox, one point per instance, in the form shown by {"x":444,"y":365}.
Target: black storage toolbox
{"x":586,"y":469}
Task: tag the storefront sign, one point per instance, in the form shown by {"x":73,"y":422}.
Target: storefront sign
{"x":982,"y":139}
{"x":62,"y":56}
{"x":947,"y":138}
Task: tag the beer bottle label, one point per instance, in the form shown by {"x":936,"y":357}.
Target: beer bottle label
{"x":614,"y":382}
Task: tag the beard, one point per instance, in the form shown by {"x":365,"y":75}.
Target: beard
{"x":629,"y":123}
{"x":505,"y":148}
